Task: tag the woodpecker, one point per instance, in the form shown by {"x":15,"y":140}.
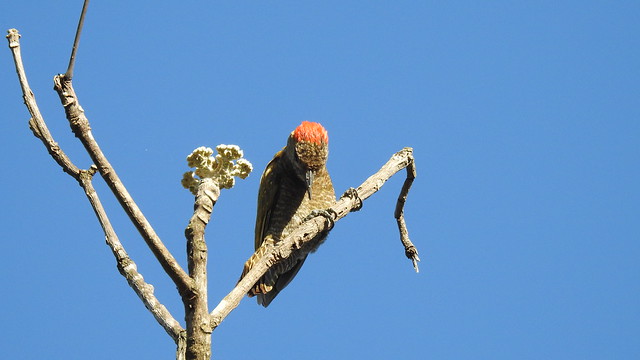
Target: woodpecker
{"x":294,"y":184}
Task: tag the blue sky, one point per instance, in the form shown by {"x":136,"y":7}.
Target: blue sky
{"x":524,"y":118}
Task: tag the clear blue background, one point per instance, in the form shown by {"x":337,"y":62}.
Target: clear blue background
{"x":524,"y":118}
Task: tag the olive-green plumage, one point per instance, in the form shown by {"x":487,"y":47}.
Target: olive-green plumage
{"x":294,"y":184}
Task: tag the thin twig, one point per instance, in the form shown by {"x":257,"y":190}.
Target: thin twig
{"x":409,"y":249}
{"x":76,"y":41}
{"x":301,"y":238}
{"x":125,"y":265}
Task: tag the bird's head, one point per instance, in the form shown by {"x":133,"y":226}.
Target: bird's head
{"x":308,"y":149}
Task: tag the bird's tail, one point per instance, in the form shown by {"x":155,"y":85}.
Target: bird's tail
{"x":260,"y":287}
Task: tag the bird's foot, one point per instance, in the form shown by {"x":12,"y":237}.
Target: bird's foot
{"x":329,"y":214}
{"x":353,"y":194}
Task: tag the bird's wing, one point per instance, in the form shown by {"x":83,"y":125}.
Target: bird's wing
{"x":267,"y":194}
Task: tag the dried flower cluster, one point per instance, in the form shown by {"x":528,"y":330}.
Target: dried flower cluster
{"x":221,"y":167}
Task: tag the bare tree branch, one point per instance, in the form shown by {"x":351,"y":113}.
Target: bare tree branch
{"x":125,"y":265}
{"x":373,"y":183}
{"x":36,"y":123}
{"x":301,"y":238}
{"x":196,"y":307}
{"x":82,"y":130}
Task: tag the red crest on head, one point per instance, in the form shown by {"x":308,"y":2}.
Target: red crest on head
{"x":311,"y":132}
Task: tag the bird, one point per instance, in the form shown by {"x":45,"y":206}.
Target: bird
{"x":294,"y":184}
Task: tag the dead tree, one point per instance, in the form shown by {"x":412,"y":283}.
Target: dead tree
{"x":210,"y":176}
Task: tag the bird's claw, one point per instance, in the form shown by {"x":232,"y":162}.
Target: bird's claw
{"x":353,"y":194}
{"x":329,"y":214}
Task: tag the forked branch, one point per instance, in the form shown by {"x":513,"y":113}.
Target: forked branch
{"x":126,"y":266}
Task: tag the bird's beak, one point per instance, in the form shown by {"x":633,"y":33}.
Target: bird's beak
{"x":308,"y":178}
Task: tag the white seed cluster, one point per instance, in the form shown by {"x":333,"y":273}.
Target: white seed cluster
{"x":220,"y":168}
